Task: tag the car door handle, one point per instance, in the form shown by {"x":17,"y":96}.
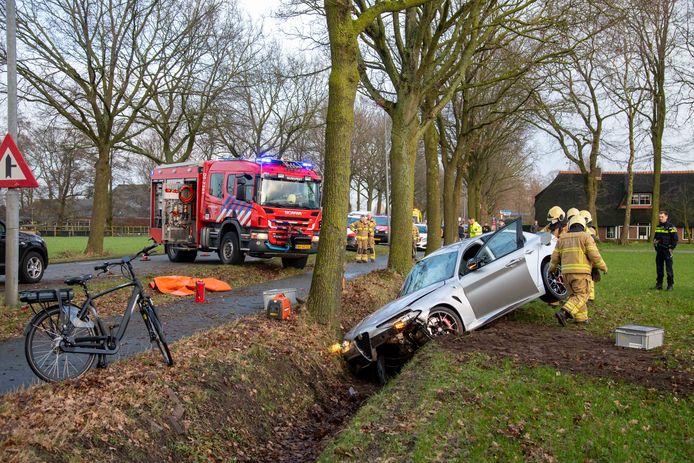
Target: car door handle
{"x":514,"y":262}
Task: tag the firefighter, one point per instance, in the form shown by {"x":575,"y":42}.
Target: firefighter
{"x":371,"y":244}
{"x":571,"y":212}
{"x":590,"y":229}
{"x":577,"y":254}
{"x":555,"y":221}
{"x":415,"y":238}
{"x":474,"y":228}
{"x":664,"y":241}
{"x":361,"y":228}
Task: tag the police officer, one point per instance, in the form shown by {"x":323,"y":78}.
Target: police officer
{"x":371,"y":242}
{"x":361,"y":228}
{"x":665,"y":241}
{"x":555,"y":221}
{"x":474,"y":228}
{"x":577,"y":254}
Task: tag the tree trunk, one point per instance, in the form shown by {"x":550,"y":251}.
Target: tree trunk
{"x":431,"y":154}
{"x":358,"y":197}
{"x":450,"y":207}
{"x":657,"y":128}
{"x":379,"y":202}
{"x":324,"y":297}
{"x":402,"y":159}
{"x":473,"y":197}
{"x":624,"y":237}
{"x":590,"y":184}
{"x":102,"y":179}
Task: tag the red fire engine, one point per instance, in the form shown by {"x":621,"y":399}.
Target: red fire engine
{"x":261,"y":208}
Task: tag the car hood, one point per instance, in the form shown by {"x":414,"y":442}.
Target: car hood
{"x":391,"y":309}
{"x":25,"y":236}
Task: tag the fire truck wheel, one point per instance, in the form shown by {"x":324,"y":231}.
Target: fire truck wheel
{"x":229,"y":252}
{"x":294,"y":262}
{"x":177,"y":255}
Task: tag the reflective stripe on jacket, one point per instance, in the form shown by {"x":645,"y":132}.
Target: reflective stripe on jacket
{"x":666,"y":235}
{"x":577,"y":253}
{"x":360,"y":228}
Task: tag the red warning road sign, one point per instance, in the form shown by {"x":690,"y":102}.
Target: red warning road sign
{"x":14,"y":171}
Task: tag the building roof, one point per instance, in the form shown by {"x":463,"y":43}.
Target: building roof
{"x":567,"y":190}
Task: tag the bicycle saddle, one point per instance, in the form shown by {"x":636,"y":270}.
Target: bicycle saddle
{"x":78,"y":280}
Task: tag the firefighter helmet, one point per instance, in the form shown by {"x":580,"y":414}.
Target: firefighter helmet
{"x":586,"y":216}
{"x":555,"y":214}
{"x":577,"y":219}
{"x":571,"y":212}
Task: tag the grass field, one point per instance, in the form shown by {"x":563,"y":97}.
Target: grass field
{"x":625,"y":296}
{"x":66,"y":249}
{"x":446,"y":407}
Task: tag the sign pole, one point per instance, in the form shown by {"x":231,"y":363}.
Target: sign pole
{"x":12,"y":197}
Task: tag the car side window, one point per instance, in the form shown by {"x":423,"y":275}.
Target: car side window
{"x":231,"y":183}
{"x":216,"y":182}
{"x":500,"y":244}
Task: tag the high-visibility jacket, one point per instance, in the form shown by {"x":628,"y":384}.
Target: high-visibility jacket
{"x":475,"y":229}
{"x":577,"y":253}
{"x":558,"y":230}
{"x":665,"y":236}
{"x":415,"y":233}
{"x":360,"y":228}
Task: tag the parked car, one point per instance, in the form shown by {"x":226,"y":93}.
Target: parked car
{"x":351,"y":236}
{"x":422,"y":240}
{"x":382,"y":232}
{"x":461,"y":287}
{"x":33,"y":256}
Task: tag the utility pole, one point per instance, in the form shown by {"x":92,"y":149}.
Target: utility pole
{"x":12,"y":196}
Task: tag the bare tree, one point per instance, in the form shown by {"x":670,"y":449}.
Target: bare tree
{"x":94,"y":63}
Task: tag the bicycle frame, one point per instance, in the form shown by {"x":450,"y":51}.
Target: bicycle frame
{"x":99,"y":344}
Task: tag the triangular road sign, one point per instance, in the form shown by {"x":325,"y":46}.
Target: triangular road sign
{"x":14,"y":171}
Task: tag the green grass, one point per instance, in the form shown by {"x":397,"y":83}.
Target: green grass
{"x":640,"y":245}
{"x":67,"y":249}
{"x":624,"y":296}
{"x":447,"y":407}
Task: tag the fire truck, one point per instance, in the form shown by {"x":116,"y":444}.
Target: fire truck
{"x":263,"y":208}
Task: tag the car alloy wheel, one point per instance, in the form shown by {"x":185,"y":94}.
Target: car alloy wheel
{"x":34,"y":267}
{"x":442,"y":321}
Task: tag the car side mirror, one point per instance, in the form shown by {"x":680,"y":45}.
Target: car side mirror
{"x":473,"y":264}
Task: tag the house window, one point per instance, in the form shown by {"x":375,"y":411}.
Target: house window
{"x":643,"y":232}
{"x":613,"y":233}
{"x":641,"y":199}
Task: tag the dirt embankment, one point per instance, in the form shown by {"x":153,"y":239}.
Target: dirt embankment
{"x":255,"y":390}
{"x":574,"y":351}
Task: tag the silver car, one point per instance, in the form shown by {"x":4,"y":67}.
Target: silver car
{"x":458,"y":288}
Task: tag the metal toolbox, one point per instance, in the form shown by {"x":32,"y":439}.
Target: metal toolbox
{"x":639,"y":337}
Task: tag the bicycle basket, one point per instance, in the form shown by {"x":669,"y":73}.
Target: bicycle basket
{"x":46,"y":295}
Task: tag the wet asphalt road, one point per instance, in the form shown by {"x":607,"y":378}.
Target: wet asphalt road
{"x":180,"y":319}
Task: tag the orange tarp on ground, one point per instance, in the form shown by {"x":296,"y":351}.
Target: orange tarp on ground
{"x":184,"y":286}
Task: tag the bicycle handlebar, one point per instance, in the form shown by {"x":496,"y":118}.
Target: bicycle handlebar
{"x":144,"y":251}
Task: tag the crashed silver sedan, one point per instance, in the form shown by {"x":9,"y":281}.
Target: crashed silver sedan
{"x":458,"y":288}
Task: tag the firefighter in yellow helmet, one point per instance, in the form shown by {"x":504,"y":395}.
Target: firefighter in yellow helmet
{"x":361,"y":228}
{"x":577,"y":254}
{"x":571,"y":212}
{"x":555,"y":221}
{"x":590,"y":229}
{"x":371,"y":244}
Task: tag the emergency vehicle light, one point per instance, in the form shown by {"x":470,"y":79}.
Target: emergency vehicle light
{"x":307,"y":165}
{"x":265,"y":160}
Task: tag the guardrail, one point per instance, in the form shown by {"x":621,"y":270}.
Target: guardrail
{"x":83,"y":230}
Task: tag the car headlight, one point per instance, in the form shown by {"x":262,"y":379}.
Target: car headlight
{"x":259,"y":236}
{"x":315,"y":239}
{"x":402,"y":323}
{"x":340,"y":348}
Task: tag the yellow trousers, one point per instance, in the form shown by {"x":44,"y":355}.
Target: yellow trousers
{"x":578,"y":285}
{"x":371,"y":248}
{"x":362,"y":242}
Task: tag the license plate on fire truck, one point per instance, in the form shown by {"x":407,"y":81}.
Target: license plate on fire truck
{"x":303,"y":246}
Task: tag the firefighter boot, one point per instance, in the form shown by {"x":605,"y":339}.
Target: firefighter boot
{"x":562,"y":316}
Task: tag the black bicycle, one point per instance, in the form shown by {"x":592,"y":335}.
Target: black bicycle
{"x":63,"y":340}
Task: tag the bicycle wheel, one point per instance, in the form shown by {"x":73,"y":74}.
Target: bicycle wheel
{"x":156,"y":332}
{"x":46,"y":333}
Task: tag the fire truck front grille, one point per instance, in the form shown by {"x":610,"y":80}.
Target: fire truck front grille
{"x":293,"y":221}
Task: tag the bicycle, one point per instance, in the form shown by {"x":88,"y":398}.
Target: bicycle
{"x":63,"y":340}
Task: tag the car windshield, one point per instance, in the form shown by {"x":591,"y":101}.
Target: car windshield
{"x":351,"y":220}
{"x":429,"y":271}
{"x":286,"y":193}
{"x":422,"y":228}
{"x":381,"y":220}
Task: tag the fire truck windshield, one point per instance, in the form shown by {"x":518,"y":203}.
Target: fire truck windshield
{"x":286,"y":193}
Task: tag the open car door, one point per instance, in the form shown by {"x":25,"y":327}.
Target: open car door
{"x":498,"y":277}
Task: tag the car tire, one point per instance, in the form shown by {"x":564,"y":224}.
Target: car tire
{"x":294,"y":262}
{"x":554,"y":286}
{"x":229,"y":251}
{"x":32,"y":267}
{"x":179,"y":255}
{"x":443,"y":321}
